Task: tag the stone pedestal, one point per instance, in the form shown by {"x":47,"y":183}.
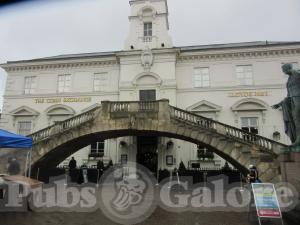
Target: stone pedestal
{"x":290,"y":168}
{"x":290,"y":173}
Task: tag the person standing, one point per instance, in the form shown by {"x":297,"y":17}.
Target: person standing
{"x":72,"y":164}
{"x":14,"y":167}
{"x":252,"y":177}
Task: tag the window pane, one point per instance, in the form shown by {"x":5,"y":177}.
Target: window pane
{"x":29,"y":85}
{"x":198,"y":83}
{"x":204,"y":70}
{"x":196,"y":71}
{"x":147,"y":29}
{"x":244,"y":122}
{"x":244,"y":75}
{"x":239,"y":69}
{"x":24,"y":127}
{"x":100,"y":81}
{"x":205,"y":83}
{"x":64,"y":83}
{"x":201,"y":77}
{"x":205,"y":77}
{"x":295,"y":65}
{"x":253,"y":122}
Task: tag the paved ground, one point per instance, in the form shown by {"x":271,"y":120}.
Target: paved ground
{"x":159,"y":217}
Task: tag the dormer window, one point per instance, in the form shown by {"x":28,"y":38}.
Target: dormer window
{"x":148,"y":29}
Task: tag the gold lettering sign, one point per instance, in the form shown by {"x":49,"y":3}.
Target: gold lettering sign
{"x":248,"y":94}
{"x":62,"y":100}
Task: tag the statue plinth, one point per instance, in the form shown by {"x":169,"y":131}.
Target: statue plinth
{"x":290,"y":165}
{"x":291,"y":148}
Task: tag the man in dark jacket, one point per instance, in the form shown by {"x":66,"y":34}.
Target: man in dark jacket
{"x":72,"y":164}
{"x":14,"y":167}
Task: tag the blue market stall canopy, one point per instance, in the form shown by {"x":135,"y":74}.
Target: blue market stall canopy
{"x":10,"y":140}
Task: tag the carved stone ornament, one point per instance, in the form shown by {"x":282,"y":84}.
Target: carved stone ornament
{"x":147,"y":59}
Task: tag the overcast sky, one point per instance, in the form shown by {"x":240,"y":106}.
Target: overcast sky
{"x":49,"y":27}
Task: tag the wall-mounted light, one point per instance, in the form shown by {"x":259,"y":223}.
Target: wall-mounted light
{"x":123,"y":144}
{"x":276,"y":135}
{"x":170,"y":144}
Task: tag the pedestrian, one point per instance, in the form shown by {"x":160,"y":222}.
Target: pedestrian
{"x":100,"y":165}
{"x":72,"y":164}
{"x":252,"y":177}
{"x":13,"y":167}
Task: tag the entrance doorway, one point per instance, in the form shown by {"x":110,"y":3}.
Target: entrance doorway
{"x":147,"y":152}
{"x":147,"y":95}
{"x":147,"y":145}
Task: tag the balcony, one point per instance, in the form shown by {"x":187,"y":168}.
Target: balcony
{"x":96,"y":154}
{"x":147,"y":38}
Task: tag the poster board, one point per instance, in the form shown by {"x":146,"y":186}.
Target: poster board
{"x":266,"y":201}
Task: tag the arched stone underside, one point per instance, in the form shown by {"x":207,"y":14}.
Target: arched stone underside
{"x":117,"y":119}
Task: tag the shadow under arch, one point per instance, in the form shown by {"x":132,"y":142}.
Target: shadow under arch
{"x":55,"y":156}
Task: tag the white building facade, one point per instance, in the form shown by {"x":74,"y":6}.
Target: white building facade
{"x":232,"y":83}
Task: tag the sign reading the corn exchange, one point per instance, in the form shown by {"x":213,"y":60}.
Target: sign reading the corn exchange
{"x":248,"y":94}
{"x":62,"y":100}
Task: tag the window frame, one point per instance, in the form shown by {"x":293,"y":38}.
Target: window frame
{"x":148,"y":29}
{"x":243,"y":80}
{"x":64,"y":83}
{"x":249,"y":123}
{"x":103,"y":83}
{"x":98,"y":148}
{"x":32,"y":85}
{"x":24,"y":133}
{"x":199,"y":83}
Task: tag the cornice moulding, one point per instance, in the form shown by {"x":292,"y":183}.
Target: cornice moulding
{"x":232,"y":88}
{"x":57,"y":64}
{"x":236,"y":54}
{"x":93,"y":94}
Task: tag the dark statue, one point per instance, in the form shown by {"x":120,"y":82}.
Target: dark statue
{"x":291,"y":106}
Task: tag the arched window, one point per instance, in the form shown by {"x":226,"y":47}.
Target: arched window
{"x":250,"y":114}
{"x":58,"y":113}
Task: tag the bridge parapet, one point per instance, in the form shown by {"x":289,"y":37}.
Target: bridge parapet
{"x":139,"y":109}
{"x":228,"y":131}
{"x":162,"y":113}
{"x":65,"y":125}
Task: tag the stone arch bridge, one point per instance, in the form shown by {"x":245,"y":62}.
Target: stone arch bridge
{"x":116,"y":119}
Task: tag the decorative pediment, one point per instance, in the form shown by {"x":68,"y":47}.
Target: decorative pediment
{"x":90,"y":107}
{"x":147,"y":79}
{"x":204,"y":106}
{"x":24,"y":111}
{"x":147,"y":11}
{"x":60,"y":110}
{"x":250,"y":104}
